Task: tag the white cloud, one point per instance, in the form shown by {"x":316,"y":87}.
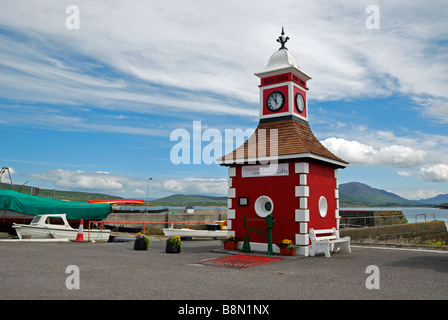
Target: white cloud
{"x":435,"y":173}
{"x":36,"y":117}
{"x":112,"y":183}
{"x":6,"y":177}
{"x":214,"y":186}
{"x":11,"y":171}
{"x":418,"y":194}
{"x":139,"y":191}
{"x":187,"y":60}
{"x":192,"y":45}
{"x":361,"y":154}
{"x":434,"y":108}
{"x":92,"y":181}
{"x":404,"y":173}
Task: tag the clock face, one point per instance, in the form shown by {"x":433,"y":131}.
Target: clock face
{"x":275,"y":101}
{"x":300,"y":103}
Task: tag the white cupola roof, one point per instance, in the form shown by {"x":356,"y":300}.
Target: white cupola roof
{"x":281,"y":59}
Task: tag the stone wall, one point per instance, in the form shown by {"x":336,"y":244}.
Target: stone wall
{"x":164,"y":220}
{"x":410,"y":233}
{"x":371,"y":218}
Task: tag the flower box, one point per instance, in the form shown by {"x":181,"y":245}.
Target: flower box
{"x":140,"y":244}
{"x":171,"y":247}
{"x":173,"y":244}
{"x":287,"y":247}
{"x":230,"y":245}
{"x":285,"y":251}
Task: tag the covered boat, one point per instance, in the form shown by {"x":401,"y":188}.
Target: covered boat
{"x":193,"y":233}
{"x":217,"y":230}
{"x":118,"y":201}
{"x":16,"y":207}
{"x":56,"y":226}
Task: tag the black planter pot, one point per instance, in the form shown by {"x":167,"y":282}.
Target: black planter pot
{"x":170,"y":248}
{"x":140,"y":244}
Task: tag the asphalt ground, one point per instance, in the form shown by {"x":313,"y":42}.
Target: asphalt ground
{"x":109,"y":271}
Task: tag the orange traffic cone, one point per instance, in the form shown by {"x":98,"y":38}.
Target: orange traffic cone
{"x":80,"y":236}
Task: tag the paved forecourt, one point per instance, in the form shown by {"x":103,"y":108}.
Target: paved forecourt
{"x":116,"y":271}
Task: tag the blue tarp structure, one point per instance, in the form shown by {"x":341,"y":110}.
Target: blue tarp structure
{"x":35,"y":205}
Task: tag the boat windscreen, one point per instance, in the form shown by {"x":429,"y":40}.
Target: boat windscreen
{"x":36,"y":219}
{"x":55,"y":220}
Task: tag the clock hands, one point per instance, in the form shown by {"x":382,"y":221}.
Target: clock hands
{"x":275,"y":101}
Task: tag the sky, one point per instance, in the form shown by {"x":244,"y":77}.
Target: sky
{"x":91,"y":92}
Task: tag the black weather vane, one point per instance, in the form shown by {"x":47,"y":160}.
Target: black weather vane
{"x":283,"y":39}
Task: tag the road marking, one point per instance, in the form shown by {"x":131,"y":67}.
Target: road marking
{"x":404,"y":249}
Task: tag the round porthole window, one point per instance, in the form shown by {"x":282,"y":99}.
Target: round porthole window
{"x":264,"y":206}
{"x":323,"y":207}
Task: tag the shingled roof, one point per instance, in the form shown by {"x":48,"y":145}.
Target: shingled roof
{"x":294,"y":140}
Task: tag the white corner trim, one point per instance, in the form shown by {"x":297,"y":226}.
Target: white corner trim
{"x":303,"y":179}
{"x":303,"y":203}
{"x":302,"y":215}
{"x":302,"y":167}
{"x":302,"y":191}
{"x":302,"y":239}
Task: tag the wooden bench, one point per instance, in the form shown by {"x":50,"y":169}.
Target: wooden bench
{"x":327,"y":240}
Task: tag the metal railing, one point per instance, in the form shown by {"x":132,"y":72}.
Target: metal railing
{"x":381,"y":220}
{"x":144,"y":223}
{"x":371,"y":221}
{"x":426,"y":214}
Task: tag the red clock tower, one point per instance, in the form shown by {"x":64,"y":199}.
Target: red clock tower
{"x":282,"y":169}
{"x":283,"y":86}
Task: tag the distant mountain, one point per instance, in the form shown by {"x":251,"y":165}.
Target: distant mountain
{"x":352,"y":194}
{"x":191,"y":200}
{"x":57,"y":194}
{"x":437,"y":200}
{"x":360,"y":194}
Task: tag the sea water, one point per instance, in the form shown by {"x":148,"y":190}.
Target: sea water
{"x":413,"y":214}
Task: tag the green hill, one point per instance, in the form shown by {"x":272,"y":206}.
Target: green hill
{"x":57,"y":194}
{"x":190,"y":200}
{"x":441,"y":199}
{"x":354,"y":194}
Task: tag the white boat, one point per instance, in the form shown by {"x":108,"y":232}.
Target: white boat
{"x":216,"y":229}
{"x":56,"y":226}
{"x":192,"y":233}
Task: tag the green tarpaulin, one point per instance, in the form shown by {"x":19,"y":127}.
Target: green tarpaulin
{"x":35,"y":205}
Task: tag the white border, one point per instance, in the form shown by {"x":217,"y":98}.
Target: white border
{"x":259,"y":206}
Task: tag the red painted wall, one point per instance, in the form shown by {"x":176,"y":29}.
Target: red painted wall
{"x":322,"y":182}
{"x":282,"y":192}
{"x":281,"y":189}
